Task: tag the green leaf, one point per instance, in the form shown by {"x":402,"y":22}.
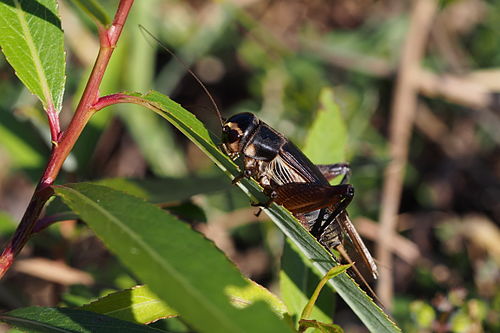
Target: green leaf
{"x":369,"y":313}
{"x":138,"y":305}
{"x":38,"y":319}
{"x":94,"y":10}
{"x":32,"y":41}
{"x":329,"y":129}
{"x":180,"y":265}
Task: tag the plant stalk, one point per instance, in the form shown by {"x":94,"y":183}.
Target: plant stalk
{"x":63,"y":143}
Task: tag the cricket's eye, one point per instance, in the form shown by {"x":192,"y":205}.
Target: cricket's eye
{"x":230,"y":135}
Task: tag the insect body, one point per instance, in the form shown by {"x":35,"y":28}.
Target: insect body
{"x":290,"y":179}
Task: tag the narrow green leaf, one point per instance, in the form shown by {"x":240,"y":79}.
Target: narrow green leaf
{"x":141,"y":305}
{"x":94,"y":10}
{"x":32,"y":41}
{"x":38,"y":319}
{"x":329,"y":129}
{"x":369,"y":313}
{"x":137,"y":305}
{"x":179,"y":265}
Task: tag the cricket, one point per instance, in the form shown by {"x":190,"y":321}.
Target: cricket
{"x":290,"y":179}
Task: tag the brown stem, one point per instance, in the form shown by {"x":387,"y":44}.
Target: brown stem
{"x":65,"y":142}
{"x":401,"y":125}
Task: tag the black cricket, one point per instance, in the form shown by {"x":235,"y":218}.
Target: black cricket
{"x":290,"y":179}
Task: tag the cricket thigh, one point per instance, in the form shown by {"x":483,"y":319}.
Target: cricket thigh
{"x":306,"y":197}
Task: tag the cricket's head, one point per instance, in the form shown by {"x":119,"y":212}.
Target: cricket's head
{"x":237,"y":130}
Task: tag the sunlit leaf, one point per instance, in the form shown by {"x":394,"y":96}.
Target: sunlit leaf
{"x":139,"y":305}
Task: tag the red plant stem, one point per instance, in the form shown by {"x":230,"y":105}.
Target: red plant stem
{"x":108,"y":100}
{"x":123,"y":98}
{"x":53,"y":118}
{"x":65,"y":142}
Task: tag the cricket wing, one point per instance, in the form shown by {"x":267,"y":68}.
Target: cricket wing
{"x":358,"y":243}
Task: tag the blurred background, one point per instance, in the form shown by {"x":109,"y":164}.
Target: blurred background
{"x":417,"y":83}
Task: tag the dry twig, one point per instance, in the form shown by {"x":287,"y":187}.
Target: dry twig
{"x":403,"y":113}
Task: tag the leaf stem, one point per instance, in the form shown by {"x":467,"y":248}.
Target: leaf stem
{"x":53,"y":118}
{"x":64,"y":142}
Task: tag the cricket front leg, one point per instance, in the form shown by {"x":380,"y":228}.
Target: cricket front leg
{"x":247,"y":170}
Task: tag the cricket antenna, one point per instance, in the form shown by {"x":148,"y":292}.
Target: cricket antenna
{"x":145,"y":31}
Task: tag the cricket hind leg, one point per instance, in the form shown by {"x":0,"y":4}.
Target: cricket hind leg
{"x":331,"y":171}
{"x":337,"y":208}
{"x":307,"y":197}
